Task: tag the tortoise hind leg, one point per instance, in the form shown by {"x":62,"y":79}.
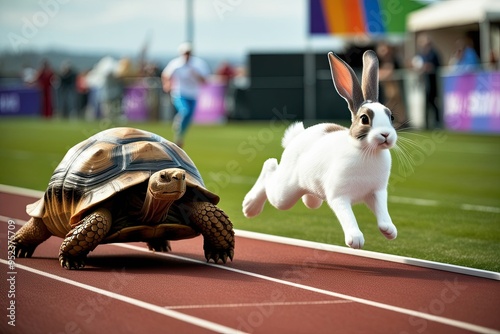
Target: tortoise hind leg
{"x":216,"y":228}
{"x":33,"y":233}
{"x":84,"y":238}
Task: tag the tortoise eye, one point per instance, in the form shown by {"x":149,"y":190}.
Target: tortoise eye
{"x":364,"y":119}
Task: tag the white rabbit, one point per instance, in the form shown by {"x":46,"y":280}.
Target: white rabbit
{"x":328,"y":162}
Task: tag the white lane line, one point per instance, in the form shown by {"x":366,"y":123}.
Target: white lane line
{"x":481,"y":208}
{"x":473,"y":149}
{"x":430,"y":202}
{"x":349,"y":251}
{"x":212,"y":326}
{"x":414,"y":201}
{"x":320,"y":302}
{"x":427,"y":316}
{"x":370,"y":254}
{"x":18,"y":221}
{"x":22,"y":154}
{"x":21,"y":191}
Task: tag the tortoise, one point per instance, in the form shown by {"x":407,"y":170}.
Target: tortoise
{"x":125,"y":185}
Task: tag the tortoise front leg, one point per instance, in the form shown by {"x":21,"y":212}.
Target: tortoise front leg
{"x":84,"y":238}
{"x":159,"y":245}
{"x":216,"y":228}
{"x":33,"y":233}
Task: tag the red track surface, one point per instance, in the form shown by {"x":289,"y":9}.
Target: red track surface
{"x":269,"y":288}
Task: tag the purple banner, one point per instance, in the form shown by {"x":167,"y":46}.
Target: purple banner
{"x":135,"y":103}
{"x":472,"y":102}
{"x":210,"y":104}
{"x":19,"y":101}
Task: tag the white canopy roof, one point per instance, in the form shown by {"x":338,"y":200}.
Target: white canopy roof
{"x":453,"y":13}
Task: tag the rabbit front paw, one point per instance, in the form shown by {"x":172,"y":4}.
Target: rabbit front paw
{"x":355,"y":239}
{"x":389,"y":230}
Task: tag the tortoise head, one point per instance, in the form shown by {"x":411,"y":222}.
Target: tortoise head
{"x":168,"y":184}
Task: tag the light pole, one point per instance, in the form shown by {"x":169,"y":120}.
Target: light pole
{"x":189,"y":21}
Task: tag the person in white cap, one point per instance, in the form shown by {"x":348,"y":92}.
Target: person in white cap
{"x":182,"y":78}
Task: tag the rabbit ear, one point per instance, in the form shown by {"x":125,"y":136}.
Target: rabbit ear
{"x":369,"y":81}
{"x":346,"y":83}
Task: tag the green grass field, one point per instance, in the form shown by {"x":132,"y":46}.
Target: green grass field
{"x":444,"y":194}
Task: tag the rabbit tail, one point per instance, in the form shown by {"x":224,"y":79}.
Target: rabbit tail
{"x":291,"y":132}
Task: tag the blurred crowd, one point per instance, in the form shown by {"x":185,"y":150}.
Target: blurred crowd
{"x":426,"y":63}
{"x":90,"y":94}
{"x":98,"y":92}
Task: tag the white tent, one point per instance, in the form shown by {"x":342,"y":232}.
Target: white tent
{"x":446,"y":21}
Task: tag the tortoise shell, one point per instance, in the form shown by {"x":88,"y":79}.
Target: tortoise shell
{"x":109,"y":162}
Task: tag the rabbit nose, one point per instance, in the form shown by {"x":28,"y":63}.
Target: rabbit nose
{"x":385,"y":135}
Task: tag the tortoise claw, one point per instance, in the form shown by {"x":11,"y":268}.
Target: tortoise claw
{"x":217,"y":255}
{"x":70,"y":262}
{"x":21,"y":250}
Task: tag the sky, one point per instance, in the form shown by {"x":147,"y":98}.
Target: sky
{"x":222,"y":27}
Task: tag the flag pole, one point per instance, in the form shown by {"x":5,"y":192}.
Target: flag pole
{"x":309,"y":72}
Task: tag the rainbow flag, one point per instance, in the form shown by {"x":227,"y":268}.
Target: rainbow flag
{"x":354,"y":17}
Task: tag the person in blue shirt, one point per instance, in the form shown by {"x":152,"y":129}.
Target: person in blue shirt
{"x":465,"y":57}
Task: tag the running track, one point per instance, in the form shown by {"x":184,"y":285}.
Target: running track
{"x":274,"y":285}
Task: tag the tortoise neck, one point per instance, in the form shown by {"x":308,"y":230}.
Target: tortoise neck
{"x":154,"y":210}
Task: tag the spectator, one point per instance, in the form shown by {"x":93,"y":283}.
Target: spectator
{"x":82,"y":89}
{"x":426,"y":62}
{"x":182,"y":78}
{"x":28,"y":75}
{"x":44,"y":79}
{"x":465,"y":57}
{"x":391,"y":83}
{"x":151,"y":70}
{"x":111,"y":90}
{"x":225,"y":72}
{"x":104,"y":97}
{"x":67,"y":90}
{"x":153,"y":81}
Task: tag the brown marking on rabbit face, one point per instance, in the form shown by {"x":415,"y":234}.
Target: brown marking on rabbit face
{"x":362,"y":123}
{"x":389,"y":114}
{"x":332,"y":127}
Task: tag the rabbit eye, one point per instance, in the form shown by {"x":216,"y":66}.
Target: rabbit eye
{"x":365,"y":120}
{"x":392,"y":117}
